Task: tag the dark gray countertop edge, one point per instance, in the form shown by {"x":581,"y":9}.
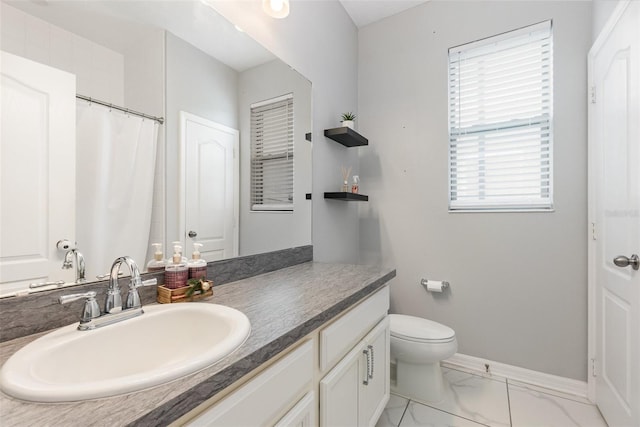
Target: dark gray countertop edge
{"x":182,"y":404}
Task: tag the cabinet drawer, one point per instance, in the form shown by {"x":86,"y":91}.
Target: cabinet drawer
{"x":339,"y":337}
{"x":268,"y":394}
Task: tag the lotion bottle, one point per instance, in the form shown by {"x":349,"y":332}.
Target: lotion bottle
{"x":158,"y":263}
{"x":197,"y":266}
{"x":176,"y":272}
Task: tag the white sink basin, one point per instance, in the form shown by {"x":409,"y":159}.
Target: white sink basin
{"x":165,"y":343}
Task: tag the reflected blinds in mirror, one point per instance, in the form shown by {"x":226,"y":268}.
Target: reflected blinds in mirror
{"x":272,"y":154}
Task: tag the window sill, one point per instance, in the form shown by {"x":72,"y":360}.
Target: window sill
{"x":532,"y":210}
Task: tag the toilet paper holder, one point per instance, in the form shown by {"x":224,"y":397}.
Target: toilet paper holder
{"x":442,"y":285}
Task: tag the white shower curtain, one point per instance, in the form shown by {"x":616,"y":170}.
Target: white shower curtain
{"x":115,"y":165}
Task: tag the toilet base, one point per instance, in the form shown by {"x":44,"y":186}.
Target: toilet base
{"x":422,"y":382}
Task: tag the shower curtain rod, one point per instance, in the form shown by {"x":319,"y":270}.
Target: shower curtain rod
{"x":115,"y":107}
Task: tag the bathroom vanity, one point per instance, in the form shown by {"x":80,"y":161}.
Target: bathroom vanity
{"x":317,"y":354}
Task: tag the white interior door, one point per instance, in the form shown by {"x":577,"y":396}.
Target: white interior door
{"x":615,"y":202}
{"x":211,"y":171}
{"x":37,"y":172}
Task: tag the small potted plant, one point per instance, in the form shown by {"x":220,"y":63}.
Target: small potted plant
{"x":347,"y":119}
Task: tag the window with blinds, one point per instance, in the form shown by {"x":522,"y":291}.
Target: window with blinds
{"x":500,"y":122}
{"x":272,"y":154}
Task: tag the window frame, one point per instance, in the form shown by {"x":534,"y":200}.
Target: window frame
{"x":513,"y":124}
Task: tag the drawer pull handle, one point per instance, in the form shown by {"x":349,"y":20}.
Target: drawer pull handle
{"x":372,"y":362}
{"x":366,"y":375}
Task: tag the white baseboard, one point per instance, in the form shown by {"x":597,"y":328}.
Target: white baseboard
{"x":540,"y":379}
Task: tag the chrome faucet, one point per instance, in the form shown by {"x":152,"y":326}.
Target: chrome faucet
{"x":74,"y":256}
{"x":114,"y":310}
{"x":114,"y":299}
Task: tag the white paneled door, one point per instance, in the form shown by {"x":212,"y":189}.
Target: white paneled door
{"x":210,"y":175}
{"x":37,"y":172}
{"x":615,"y":212}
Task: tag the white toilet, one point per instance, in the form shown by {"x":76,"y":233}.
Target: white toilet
{"x":418,"y":345}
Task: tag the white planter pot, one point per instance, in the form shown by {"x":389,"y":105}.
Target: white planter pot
{"x":348,"y":124}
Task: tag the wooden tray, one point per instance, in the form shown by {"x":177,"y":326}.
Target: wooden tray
{"x":167,"y":296}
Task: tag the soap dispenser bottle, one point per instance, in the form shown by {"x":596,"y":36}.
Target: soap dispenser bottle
{"x":197,"y":266}
{"x":176,"y":273}
{"x":158,"y":263}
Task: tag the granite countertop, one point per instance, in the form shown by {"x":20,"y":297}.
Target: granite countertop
{"x":283,"y":307}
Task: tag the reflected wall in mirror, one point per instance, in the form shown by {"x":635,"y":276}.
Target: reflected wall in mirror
{"x":171,"y":59}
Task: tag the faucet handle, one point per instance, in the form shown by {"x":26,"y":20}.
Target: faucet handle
{"x":148,"y":282}
{"x":91,"y":309}
{"x":65,"y":299}
{"x":133,"y":297}
{"x":107,"y":275}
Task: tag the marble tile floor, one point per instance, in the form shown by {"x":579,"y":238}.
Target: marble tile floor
{"x":472,"y":400}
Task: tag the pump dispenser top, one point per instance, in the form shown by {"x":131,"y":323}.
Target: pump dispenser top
{"x":158,"y":262}
{"x":157,"y":255}
{"x":196,"y":250}
{"x":178,"y":243}
{"x":197,"y":266}
{"x":177,"y":254}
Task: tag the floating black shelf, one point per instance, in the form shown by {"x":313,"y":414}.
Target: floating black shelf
{"x":347,"y":197}
{"x":346,"y":136}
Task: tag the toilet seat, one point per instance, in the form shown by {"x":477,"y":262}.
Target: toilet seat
{"x":417,"y":329}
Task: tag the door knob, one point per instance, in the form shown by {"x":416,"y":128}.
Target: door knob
{"x":65,"y":245}
{"x":192,"y":234}
{"x":623,"y":261}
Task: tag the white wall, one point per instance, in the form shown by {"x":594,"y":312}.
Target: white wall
{"x":200,"y":85}
{"x":99,"y":71}
{"x":319,"y":40}
{"x":518,"y":280}
{"x":268,"y":231}
{"x":602,"y":10}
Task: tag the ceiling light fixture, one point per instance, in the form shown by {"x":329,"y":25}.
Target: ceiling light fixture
{"x":276,"y":8}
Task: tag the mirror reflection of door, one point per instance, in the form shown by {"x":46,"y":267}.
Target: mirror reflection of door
{"x":211,"y":171}
{"x":37,"y":172}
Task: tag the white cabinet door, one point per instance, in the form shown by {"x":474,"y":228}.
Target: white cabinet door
{"x":301,"y":415}
{"x":339,"y":391}
{"x":355,"y":392}
{"x":375,"y":394}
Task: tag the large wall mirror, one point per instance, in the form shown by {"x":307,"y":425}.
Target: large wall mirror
{"x":228,"y":168}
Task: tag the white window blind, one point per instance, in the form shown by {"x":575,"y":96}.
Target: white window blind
{"x":272,"y":154}
{"x":500,"y":121}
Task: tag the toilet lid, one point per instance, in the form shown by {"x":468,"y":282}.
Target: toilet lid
{"x":419,"y":329}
